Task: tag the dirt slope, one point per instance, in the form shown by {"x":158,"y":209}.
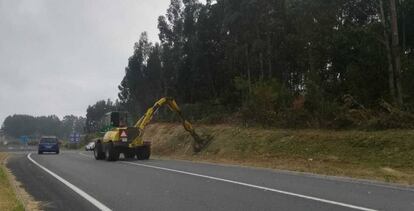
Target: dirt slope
{"x":381,"y":155}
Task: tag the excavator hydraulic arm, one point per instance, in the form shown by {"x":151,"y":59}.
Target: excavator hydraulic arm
{"x":172,"y":105}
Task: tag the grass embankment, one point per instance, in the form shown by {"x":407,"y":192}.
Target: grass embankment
{"x":380,"y":155}
{"x":8,"y":199}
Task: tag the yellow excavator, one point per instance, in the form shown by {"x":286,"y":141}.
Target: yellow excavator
{"x":119,"y":138}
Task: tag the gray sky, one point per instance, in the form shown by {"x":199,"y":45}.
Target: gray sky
{"x":59,"y":56}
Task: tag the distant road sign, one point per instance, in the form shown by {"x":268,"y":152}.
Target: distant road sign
{"x":74,"y":137}
{"x":24,"y":139}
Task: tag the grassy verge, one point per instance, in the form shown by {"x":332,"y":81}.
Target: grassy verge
{"x":8,"y":199}
{"x":380,"y":155}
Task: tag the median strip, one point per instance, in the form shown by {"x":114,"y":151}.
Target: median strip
{"x":82,"y":193}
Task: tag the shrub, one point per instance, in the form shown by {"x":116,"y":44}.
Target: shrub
{"x":263,"y":103}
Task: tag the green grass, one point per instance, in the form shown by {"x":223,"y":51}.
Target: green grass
{"x":8,"y":199}
{"x":381,"y":155}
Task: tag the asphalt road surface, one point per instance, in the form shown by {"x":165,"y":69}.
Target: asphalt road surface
{"x":74,"y":180}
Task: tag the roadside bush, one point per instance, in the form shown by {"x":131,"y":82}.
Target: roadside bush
{"x":354,"y":115}
{"x":320,"y":112}
{"x":351,"y":114}
{"x":390,"y":118}
{"x":263,"y":103}
{"x":290,"y":118}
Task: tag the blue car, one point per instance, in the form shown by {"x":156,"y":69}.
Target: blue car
{"x":48,"y":144}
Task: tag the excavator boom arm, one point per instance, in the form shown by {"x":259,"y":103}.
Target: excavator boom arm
{"x":172,"y":105}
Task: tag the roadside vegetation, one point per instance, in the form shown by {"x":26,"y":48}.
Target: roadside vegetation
{"x":8,"y":198}
{"x":380,"y":155}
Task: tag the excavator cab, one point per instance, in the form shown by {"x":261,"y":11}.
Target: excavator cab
{"x":118,"y":119}
{"x":114,"y":119}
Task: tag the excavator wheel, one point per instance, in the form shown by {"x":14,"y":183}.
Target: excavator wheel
{"x":129,"y":155}
{"x":111,"y":154}
{"x":147,"y":152}
{"x":143,"y":153}
{"x":139,"y":154}
{"x":98,"y":152}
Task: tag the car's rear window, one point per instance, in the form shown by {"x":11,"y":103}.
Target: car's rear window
{"x":48,"y":140}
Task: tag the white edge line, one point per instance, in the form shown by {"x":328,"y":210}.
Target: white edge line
{"x":257,"y":187}
{"x":252,"y":186}
{"x":84,"y":155}
{"x":82,"y":193}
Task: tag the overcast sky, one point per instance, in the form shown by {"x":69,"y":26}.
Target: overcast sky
{"x":59,"y":56}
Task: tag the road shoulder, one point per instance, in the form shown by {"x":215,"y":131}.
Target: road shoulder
{"x":12,"y":196}
{"x":50,"y":193}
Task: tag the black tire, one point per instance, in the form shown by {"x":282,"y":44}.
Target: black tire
{"x":147,"y":152}
{"x":98,"y":152}
{"x":143,"y":153}
{"x":57,"y":152}
{"x":138,"y":153}
{"x":129,"y":155}
{"x":111,"y":153}
{"x":39,"y":152}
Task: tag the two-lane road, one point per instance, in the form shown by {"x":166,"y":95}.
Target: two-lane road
{"x":76,"y":181}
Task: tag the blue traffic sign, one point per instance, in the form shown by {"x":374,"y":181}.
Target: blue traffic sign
{"x":24,"y":139}
{"x":74,"y":137}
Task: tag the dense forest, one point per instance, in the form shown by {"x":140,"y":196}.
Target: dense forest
{"x":287,"y":63}
{"x":18,"y":125}
{"x":283,"y":63}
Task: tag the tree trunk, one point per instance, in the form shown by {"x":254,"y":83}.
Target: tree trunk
{"x":404,"y":30}
{"x":313,"y":75}
{"x":389,"y":55}
{"x":396,"y":51}
{"x":249,"y":78}
{"x":261,"y":66}
{"x":269,"y":56}
{"x":212,"y":81}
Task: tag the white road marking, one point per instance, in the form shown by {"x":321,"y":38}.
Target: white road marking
{"x":255,"y":186}
{"x":323,"y":177}
{"x":85,"y":155}
{"x":251,"y":185}
{"x":82,"y":193}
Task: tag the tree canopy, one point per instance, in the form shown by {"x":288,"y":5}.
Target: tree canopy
{"x":238,"y":53}
{"x":264,"y":56}
{"x":18,"y":125}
